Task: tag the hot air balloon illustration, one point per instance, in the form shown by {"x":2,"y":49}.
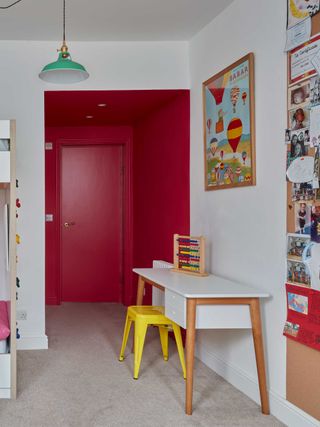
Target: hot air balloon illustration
{"x":220,"y":123}
{"x":221,"y":154}
{"x":217,"y":87}
{"x":213,"y":146}
{"x":234,"y":96}
{"x":244,"y":97}
{"x":234,"y":133}
{"x":209,"y":124}
{"x":244,"y":156}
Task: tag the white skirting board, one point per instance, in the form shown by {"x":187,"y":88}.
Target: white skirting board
{"x":33,"y":343}
{"x":279,"y":407}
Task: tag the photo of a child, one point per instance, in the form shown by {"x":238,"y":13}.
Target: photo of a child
{"x":299,"y":95}
{"x":303,"y":218}
{"x":299,"y":118}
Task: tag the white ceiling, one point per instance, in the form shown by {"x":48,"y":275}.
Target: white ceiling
{"x":114,"y":20}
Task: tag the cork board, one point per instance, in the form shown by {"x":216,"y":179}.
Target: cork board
{"x":303,"y":363}
{"x":303,"y":377}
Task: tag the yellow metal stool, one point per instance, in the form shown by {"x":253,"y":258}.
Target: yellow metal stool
{"x":143,"y":316}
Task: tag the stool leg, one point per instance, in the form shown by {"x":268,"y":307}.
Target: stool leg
{"x":126,"y":331}
{"x":140,"y":330}
{"x":177,"y":335}
{"x":163,"y":332}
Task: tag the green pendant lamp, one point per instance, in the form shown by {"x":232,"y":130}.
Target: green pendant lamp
{"x":64,"y":70}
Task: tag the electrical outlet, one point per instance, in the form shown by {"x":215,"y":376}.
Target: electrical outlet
{"x":21,"y":315}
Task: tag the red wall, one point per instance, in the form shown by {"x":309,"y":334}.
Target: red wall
{"x":161,"y":181}
{"x":160,"y":190}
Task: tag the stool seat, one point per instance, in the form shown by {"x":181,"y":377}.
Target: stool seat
{"x":143,"y":316}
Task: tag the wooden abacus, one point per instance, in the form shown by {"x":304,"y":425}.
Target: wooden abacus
{"x":189,"y":255}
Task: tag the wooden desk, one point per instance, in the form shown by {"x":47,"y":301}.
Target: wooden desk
{"x":208,"y":303}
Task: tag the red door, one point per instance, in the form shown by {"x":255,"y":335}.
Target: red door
{"x":91,"y":223}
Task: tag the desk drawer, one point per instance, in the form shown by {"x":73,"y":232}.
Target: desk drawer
{"x":175,"y":308}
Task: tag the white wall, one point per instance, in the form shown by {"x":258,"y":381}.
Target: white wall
{"x":246,"y":226}
{"x":111,"y":66}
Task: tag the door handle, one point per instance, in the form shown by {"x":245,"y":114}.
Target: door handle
{"x":69,"y":224}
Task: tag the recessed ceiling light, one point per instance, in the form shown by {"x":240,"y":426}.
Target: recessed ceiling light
{"x":89,"y":117}
{"x":102,"y":105}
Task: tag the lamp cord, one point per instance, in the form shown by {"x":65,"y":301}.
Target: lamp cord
{"x":64,"y":21}
{"x":10,"y":5}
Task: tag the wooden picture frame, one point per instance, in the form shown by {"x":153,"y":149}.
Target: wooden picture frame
{"x":229,"y":127}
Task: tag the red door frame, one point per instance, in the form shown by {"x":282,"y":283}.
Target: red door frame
{"x":127,"y":291}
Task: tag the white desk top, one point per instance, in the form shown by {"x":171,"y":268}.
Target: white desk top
{"x":199,"y":287}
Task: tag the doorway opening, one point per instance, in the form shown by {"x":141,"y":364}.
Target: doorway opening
{"x":117,"y":179}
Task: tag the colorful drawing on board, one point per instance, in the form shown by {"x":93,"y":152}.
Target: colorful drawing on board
{"x":291,"y":329}
{"x":303,"y":192}
{"x":301,"y":9}
{"x":298,"y":273}
{"x":295,"y":246}
{"x":229,"y":145}
{"x":298,"y":303}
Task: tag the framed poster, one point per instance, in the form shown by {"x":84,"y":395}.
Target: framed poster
{"x":300,"y":60}
{"x":229,"y":132}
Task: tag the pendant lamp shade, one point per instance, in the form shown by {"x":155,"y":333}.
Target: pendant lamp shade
{"x":64,"y":70}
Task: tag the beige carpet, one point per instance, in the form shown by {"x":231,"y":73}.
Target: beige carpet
{"x":79,"y":381}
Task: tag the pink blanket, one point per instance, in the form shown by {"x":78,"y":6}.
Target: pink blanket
{"x":4,"y":320}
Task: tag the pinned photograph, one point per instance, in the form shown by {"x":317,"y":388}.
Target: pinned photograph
{"x":298,"y":303}
{"x":291,"y":329}
{"x":299,"y":118}
{"x":303,"y":192}
{"x":298,"y":274}
{"x":287,"y":136}
{"x":315,"y":224}
{"x":316,"y":168}
{"x":315,"y":126}
{"x":299,"y":95}
{"x":315,"y":91}
{"x":302,"y":215}
{"x":296,"y":245}
{"x":297,"y":148}
{"x":298,"y":10}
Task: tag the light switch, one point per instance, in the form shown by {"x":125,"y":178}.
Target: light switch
{"x":49,"y":217}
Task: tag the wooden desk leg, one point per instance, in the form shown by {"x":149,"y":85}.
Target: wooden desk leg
{"x":190,"y":342}
{"x":140,"y":290}
{"x":258,"y":346}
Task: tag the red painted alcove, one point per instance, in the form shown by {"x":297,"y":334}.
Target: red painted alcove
{"x":154,"y":125}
